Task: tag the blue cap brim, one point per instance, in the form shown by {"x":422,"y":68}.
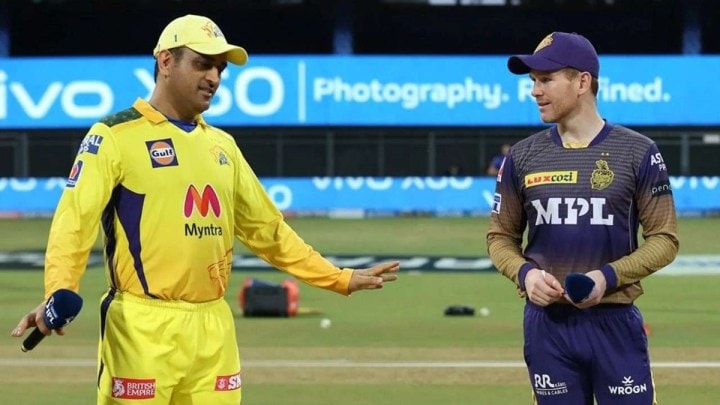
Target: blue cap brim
{"x":523,"y":64}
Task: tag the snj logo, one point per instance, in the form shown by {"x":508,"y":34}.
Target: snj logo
{"x":162,"y":153}
{"x":208,"y":200}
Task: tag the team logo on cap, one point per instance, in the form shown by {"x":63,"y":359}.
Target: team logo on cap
{"x":162,"y":153}
{"x":212,"y":30}
{"x":547,"y":41}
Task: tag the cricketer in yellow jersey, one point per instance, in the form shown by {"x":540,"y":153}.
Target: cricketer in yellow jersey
{"x":172,"y":192}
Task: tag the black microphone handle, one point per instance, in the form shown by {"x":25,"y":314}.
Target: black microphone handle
{"x":32,"y":340}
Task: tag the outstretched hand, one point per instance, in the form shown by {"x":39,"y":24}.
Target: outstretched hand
{"x":34,"y":318}
{"x":374,"y":277}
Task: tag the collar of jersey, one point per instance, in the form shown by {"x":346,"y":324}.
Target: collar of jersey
{"x":155,"y":116}
{"x":604,"y":132}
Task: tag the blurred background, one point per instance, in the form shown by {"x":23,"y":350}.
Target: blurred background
{"x":395,"y":112}
{"x":341,"y":89}
{"x":459,"y":38}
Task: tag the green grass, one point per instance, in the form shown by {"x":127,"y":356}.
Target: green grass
{"x":402,"y":322}
{"x":432,"y":236}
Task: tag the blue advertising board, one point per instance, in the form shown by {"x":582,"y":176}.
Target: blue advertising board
{"x":362,"y":196}
{"x":358,"y":91}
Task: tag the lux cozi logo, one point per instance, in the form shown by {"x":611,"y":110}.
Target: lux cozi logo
{"x":559,"y":177}
{"x":204,"y":203}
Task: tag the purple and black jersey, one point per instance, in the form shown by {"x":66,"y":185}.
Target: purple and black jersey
{"x":583,"y":208}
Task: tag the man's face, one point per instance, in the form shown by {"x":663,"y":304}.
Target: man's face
{"x":556,"y":93}
{"x":194,"y":79}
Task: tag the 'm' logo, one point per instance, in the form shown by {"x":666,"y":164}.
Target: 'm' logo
{"x":162,"y":153}
{"x":203,"y":202}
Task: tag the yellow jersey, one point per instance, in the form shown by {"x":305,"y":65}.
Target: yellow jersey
{"x":170,"y":203}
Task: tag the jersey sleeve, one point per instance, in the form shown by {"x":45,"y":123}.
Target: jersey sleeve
{"x":507,"y":224}
{"x":75,"y":224}
{"x":656,"y":210}
{"x":261,"y":227}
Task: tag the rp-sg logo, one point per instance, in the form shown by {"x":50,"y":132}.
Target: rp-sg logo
{"x":162,"y":153}
{"x":74,"y":174}
{"x":204,"y":202}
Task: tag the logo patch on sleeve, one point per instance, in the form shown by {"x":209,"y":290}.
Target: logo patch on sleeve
{"x":162,"y":153}
{"x":497,"y":202}
{"x":500,"y":171}
{"x":90,"y":144}
{"x":661,"y":188}
{"x":130,"y":388}
{"x":74,"y":174}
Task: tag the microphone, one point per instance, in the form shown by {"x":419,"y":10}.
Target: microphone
{"x":61,"y":308}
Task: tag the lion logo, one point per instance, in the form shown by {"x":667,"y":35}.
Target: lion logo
{"x":118,"y":389}
{"x":601,"y":177}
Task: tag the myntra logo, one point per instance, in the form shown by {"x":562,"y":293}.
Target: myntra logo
{"x":203,"y":202}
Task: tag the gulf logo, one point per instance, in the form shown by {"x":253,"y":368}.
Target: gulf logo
{"x":162,"y":153}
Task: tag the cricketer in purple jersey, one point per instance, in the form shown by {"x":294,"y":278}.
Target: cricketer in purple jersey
{"x":581,"y":189}
{"x":588,"y":202}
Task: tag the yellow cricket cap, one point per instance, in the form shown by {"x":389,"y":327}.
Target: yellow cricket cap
{"x":201,"y":35}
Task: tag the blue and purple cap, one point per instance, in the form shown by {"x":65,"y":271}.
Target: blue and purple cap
{"x":557,"y":51}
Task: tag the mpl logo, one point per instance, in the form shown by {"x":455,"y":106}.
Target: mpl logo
{"x":162,"y":153}
{"x":202,"y":202}
{"x":572,"y":209}
{"x":228,"y":382}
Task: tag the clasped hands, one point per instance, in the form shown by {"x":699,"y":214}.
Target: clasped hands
{"x":544,"y":289}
